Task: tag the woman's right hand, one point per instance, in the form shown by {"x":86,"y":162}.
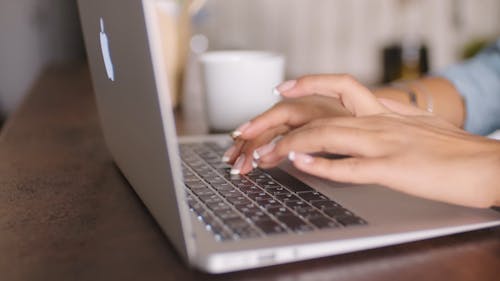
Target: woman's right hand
{"x":277,"y":121}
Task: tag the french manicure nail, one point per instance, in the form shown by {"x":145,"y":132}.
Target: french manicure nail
{"x":239,"y":131}
{"x":291,"y":156}
{"x":285,"y":86}
{"x":255,"y":165}
{"x":263,"y":150}
{"x":238,"y":165}
{"x":227,"y":155}
{"x":255,"y":155}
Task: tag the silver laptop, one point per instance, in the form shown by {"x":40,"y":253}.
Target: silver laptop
{"x":218,"y":222}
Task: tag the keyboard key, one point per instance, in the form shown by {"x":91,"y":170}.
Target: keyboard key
{"x":257,"y":175}
{"x":236,"y":223}
{"x":257,"y":216}
{"x":268,"y":203}
{"x":230,"y":193}
{"x":279,"y":211}
{"x":243,"y":184}
{"x":250,"y":189}
{"x":214,"y":200}
{"x":350,"y":220}
{"x":294,"y":223}
{"x":287,"y":180}
{"x":259,"y":195}
{"x":325,"y":204}
{"x":277,"y":191}
{"x":313,"y":196}
{"x":296,"y":204}
{"x":208,"y":218}
{"x":308,"y":213}
{"x":240,"y":200}
{"x":247,"y":208}
{"x":218,"y":206}
{"x":223,"y":187}
{"x":190,"y":178}
{"x":196,"y":184}
{"x":323,"y":222}
{"x":198,"y":208}
{"x":287,"y":197}
{"x":270,"y":185}
{"x":216,"y":228}
{"x":228,"y":215}
{"x":337,"y":212}
{"x":269,"y":227}
{"x":217,"y":181}
{"x":209,"y":196}
{"x":247,"y":232}
{"x":226,"y":172}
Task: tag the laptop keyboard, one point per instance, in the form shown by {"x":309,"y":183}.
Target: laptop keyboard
{"x":257,"y":204}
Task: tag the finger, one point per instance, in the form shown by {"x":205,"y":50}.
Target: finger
{"x":292,"y":113}
{"x":280,"y":114}
{"x":250,"y":146}
{"x":331,"y":139}
{"x":353,"y":95}
{"x":233,"y":152}
{"x":401,"y":108}
{"x":352,"y":170}
{"x":269,"y":165}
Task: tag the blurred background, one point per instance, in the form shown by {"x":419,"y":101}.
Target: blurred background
{"x":375,"y":40}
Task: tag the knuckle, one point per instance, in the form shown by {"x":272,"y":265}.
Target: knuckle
{"x":348,"y":79}
{"x":305,"y":82}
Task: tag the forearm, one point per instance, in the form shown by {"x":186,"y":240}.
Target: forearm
{"x":446,"y":101}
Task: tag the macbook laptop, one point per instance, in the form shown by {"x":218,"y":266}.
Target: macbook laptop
{"x":218,"y":222}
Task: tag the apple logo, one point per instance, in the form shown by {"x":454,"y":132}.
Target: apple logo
{"x":106,"y":53}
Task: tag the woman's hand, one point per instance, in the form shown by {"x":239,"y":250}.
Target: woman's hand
{"x":310,"y":97}
{"x":395,"y":145}
{"x":277,"y":121}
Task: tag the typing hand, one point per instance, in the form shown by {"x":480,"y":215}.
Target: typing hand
{"x":391,"y":144}
{"x":306,"y":99}
{"x":277,"y":121}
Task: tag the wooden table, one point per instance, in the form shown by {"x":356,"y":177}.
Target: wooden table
{"x":66,"y":213}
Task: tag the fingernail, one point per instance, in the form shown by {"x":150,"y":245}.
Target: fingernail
{"x":255,"y":155}
{"x":300,"y":157}
{"x":255,"y":165}
{"x":263,"y":150}
{"x":236,"y":133}
{"x":227,"y":155}
{"x":238,"y":165}
{"x":285,"y":86}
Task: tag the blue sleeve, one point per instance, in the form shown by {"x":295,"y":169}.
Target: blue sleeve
{"x":478,"y":81}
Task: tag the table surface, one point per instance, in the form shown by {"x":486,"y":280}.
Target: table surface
{"x":67,"y":213}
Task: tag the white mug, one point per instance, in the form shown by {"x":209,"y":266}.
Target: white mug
{"x":239,"y":85}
